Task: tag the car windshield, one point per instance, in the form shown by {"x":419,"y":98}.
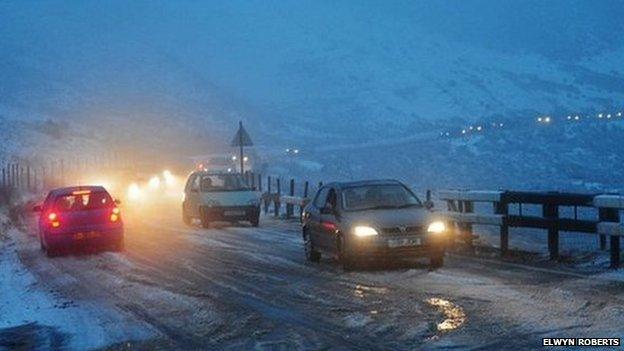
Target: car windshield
{"x":367,"y":197}
{"x":222,"y":182}
{"x":83,"y":202}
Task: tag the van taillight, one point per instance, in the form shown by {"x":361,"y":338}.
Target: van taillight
{"x":114,"y":217}
{"x":53,"y":218}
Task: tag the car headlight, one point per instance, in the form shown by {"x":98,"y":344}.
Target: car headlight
{"x":436,"y":227}
{"x":213,"y":203}
{"x":362,"y":230}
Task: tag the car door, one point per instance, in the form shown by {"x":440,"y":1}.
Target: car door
{"x":329,"y":220}
{"x":314,"y":224}
{"x":192,"y":196}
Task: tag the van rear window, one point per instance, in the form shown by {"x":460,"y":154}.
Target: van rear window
{"x":83,"y":202}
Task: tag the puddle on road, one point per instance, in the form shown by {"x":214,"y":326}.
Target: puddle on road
{"x":362,"y":290}
{"x":454,"y":315}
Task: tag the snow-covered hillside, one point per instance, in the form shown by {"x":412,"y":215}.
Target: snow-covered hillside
{"x":177,"y":76}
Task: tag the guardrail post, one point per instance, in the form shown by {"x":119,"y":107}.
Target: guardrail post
{"x":63,"y":172}
{"x":502,"y":208}
{"x":277,"y":203}
{"x":267,"y":199}
{"x":43,"y":178}
{"x":4,"y":177}
{"x":259,"y":182}
{"x":468,"y":237}
{"x":290,"y":207}
{"x":20,"y":177}
{"x":305,"y":196}
{"x":611,"y":215}
{"x":551,"y":212}
{"x":28,"y":184}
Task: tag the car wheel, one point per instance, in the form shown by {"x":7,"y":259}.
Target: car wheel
{"x":255,"y":221}
{"x":119,"y":246}
{"x":52,"y":251}
{"x":348,"y":263}
{"x":205,"y":221}
{"x":311,"y":253}
{"x":436,"y":261}
{"x":186,"y":219}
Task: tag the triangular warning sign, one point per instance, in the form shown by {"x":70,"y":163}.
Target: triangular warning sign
{"x":241,"y":138}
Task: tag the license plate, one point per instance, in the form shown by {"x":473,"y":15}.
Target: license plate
{"x":88,"y":235}
{"x":392,"y":243}
{"x":234,"y":213}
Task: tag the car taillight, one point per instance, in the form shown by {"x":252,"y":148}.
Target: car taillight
{"x":53,"y":218}
{"x":114,"y":217}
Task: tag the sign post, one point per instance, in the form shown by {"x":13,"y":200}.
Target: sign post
{"x":241,"y":139}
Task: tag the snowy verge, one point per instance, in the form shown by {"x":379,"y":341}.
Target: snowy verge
{"x":34,"y":316}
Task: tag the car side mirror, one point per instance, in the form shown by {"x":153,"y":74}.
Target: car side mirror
{"x":37,"y":208}
{"x":428,"y":204}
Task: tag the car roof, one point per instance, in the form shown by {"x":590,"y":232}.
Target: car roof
{"x":215,"y":173}
{"x":69,"y":189}
{"x":364,"y":183}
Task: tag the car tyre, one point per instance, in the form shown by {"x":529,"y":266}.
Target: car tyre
{"x":255,"y":221}
{"x":52,"y":251}
{"x":436,"y":261}
{"x":348,"y":263}
{"x":311,"y":253}
{"x":186,"y":218}
{"x":205,"y":221}
{"x":119,"y":245}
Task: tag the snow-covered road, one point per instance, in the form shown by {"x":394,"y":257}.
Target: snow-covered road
{"x":238,"y":287}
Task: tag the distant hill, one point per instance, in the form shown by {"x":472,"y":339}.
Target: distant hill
{"x":303,"y":73}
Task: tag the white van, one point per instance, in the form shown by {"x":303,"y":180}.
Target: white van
{"x":217,"y":196}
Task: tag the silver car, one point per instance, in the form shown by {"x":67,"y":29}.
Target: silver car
{"x":365,"y":220}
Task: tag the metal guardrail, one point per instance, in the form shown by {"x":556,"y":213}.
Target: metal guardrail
{"x":461,"y":211}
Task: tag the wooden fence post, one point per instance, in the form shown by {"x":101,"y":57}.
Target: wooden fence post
{"x":277,"y":203}
{"x":21,"y":173}
{"x":502,"y":208}
{"x":43,"y":178}
{"x":468,"y":208}
{"x":63,"y":172}
{"x":306,"y":185}
{"x":551,"y":212}
{"x":267,"y":199}
{"x":611,"y":215}
{"x":28,"y":183}
{"x":290,"y":207}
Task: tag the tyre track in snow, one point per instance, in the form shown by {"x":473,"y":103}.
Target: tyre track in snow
{"x":265,"y":300}
{"x":259,"y":291}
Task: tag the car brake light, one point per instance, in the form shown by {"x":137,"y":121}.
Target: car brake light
{"x":53,"y":217}
{"x":329,"y":226}
{"x":114,"y":217}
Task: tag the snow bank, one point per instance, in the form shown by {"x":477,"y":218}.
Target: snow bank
{"x":32,"y":313}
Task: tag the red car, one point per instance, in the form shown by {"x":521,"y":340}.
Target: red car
{"x":79,"y":216}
